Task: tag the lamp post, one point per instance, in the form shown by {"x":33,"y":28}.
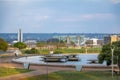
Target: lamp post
{"x":47,"y":70}
{"x":85,"y":48}
{"x":112,"y":49}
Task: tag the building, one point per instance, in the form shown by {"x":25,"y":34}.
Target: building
{"x":107,"y":39}
{"x":100,"y":42}
{"x":20,"y":36}
{"x":118,"y":37}
{"x":68,"y":40}
{"x":31,"y":43}
{"x":94,"y":42}
{"x":111,"y":39}
{"x":78,"y":40}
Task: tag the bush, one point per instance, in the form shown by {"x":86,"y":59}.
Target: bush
{"x":32,"y":51}
{"x":57,"y":52}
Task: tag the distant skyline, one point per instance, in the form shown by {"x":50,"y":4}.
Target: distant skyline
{"x":60,"y":16}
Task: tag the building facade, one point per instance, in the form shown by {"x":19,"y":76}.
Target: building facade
{"x":94,"y":42}
{"x":31,"y":43}
{"x":20,"y":36}
{"x":111,"y":39}
{"x":78,"y":40}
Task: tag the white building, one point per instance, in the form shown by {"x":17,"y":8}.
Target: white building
{"x":94,"y":42}
{"x":31,"y":43}
{"x":20,"y":36}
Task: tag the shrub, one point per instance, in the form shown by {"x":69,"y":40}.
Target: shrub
{"x":57,"y":52}
{"x":32,"y":51}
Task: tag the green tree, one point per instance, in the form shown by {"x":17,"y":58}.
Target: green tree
{"x":106,"y":53}
{"x":20,"y":45}
{"x":34,"y":51}
{"x":3,"y":45}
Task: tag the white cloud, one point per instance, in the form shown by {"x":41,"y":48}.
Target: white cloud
{"x":97,"y":16}
{"x":116,"y":1}
{"x":67,"y":19}
{"x":84,"y":17}
{"x":41,"y":18}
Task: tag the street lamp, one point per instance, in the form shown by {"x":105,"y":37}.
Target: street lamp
{"x":85,"y":48}
{"x":112,"y":49}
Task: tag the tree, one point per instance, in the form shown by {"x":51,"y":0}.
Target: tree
{"x":106,"y":53}
{"x":3,"y":45}
{"x":20,"y":45}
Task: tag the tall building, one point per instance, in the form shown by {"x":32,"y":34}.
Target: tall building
{"x":68,"y":40}
{"x":111,"y":38}
{"x":78,"y":43}
{"x":20,"y":36}
{"x":114,"y":38}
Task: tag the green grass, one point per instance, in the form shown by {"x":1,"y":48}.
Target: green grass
{"x":71,"y":50}
{"x":10,"y":71}
{"x":82,"y":50}
{"x":93,"y":50}
{"x":67,"y":75}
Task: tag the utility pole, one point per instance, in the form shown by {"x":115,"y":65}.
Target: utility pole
{"x":112,"y":49}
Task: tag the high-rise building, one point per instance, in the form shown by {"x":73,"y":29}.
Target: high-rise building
{"x":68,"y":40}
{"x":20,"y":36}
{"x":78,"y":43}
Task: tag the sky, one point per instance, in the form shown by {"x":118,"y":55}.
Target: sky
{"x":60,"y":16}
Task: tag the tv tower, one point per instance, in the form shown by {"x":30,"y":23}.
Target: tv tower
{"x":20,"y":36}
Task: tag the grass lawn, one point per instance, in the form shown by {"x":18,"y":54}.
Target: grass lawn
{"x":10,"y":71}
{"x":67,"y":75}
{"x":70,"y":50}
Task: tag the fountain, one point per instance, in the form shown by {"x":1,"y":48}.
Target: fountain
{"x":59,"y":59}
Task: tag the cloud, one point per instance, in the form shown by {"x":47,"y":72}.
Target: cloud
{"x":84,"y":17}
{"x":97,"y":16}
{"x":116,"y":1}
{"x":67,"y":19}
{"x":41,"y":18}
